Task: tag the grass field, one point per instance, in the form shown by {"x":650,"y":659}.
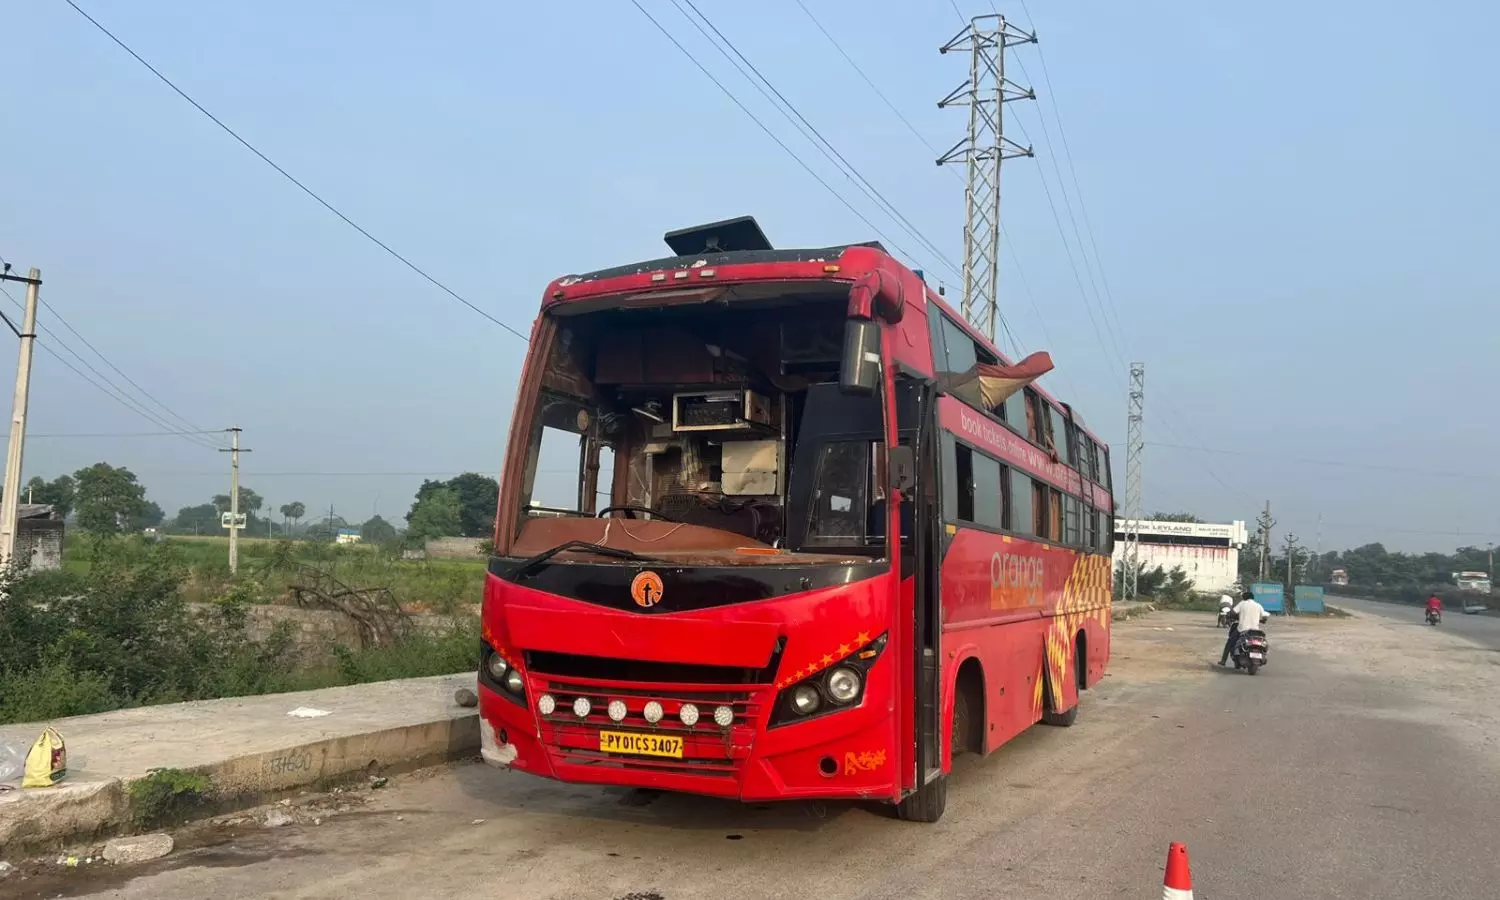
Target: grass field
{"x":438,"y":585}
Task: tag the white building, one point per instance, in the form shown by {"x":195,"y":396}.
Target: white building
{"x":1208,"y":554}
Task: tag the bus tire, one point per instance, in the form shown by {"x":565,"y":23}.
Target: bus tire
{"x":1068,"y":717}
{"x":1059,"y":719}
{"x":927,"y":803}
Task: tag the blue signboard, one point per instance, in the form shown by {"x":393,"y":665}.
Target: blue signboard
{"x":1269,"y":596}
{"x":1308,"y":598}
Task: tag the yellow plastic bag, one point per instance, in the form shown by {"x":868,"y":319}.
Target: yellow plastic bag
{"x":47,"y":762}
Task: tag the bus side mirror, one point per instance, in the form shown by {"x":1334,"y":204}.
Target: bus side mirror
{"x":901,"y":464}
{"x":859,"y":368}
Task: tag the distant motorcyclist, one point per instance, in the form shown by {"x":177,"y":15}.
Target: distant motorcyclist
{"x":1225,"y":603}
{"x":1247,"y":617}
{"x":1434,"y":607}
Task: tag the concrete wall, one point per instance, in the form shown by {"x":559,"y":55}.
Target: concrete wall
{"x":314,"y":632}
{"x":455,"y":548}
{"x":41,"y":542}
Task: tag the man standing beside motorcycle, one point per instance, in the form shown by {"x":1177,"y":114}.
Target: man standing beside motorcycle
{"x":1247,"y":617}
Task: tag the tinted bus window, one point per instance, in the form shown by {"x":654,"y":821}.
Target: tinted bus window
{"x":1057,"y":434}
{"x":1020,"y":503}
{"x":1072,"y":521}
{"x":989,"y":498}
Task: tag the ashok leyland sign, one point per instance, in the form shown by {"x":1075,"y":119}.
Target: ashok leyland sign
{"x":1232,"y":533}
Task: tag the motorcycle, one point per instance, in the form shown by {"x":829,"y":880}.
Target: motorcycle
{"x":1434,"y":616}
{"x":1250,"y":651}
{"x":1224,"y":617}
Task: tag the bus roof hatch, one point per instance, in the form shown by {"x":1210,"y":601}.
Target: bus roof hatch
{"x":728,"y":236}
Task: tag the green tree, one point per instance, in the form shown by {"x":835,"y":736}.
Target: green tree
{"x":250,"y":501}
{"x":477,"y":497}
{"x":107,"y":498}
{"x":200,"y":519}
{"x":149,"y":516}
{"x":1175,"y":517}
{"x":58,"y":492}
{"x":294,"y":511}
{"x":436,"y":515}
{"x":377,"y":531}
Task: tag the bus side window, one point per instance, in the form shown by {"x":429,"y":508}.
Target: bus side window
{"x":989,"y":494}
{"x":1105,"y":477}
{"x":1090,"y":529}
{"x":1057,"y":434}
{"x":1072,"y":520}
{"x":1021,"y":502}
{"x":1032,"y":432}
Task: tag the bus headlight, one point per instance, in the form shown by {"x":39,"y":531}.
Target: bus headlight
{"x":546,"y":704}
{"x":688,"y":714}
{"x":652,"y":712}
{"x":723,"y":716}
{"x":496,"y":666}
{"x":514,"y":683}
{"x":805,"y":700}
{"x":843,"y":684}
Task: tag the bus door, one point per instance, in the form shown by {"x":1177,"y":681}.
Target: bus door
{"x":920,"y":555}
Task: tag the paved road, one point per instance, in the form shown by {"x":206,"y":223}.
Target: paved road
{"x":1328,"y":775}
{"x":1483,"y":630}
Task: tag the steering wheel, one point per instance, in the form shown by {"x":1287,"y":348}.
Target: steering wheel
{"x":632,"y":510}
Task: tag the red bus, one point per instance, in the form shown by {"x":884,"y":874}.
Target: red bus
{"x":778,"y":524}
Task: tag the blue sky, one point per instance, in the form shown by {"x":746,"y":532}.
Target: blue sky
{"x":1292,"y":211}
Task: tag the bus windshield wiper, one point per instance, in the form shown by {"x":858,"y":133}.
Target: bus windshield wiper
{"x":531,"y":564}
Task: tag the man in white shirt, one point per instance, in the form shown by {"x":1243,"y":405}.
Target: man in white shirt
{"x":1249,"y":615}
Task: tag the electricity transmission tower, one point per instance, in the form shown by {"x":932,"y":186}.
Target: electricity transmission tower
{"x":986,"y":147}
{"x":1135,"y":445}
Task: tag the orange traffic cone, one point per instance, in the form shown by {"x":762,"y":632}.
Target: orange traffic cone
{"x":1178,"y":883}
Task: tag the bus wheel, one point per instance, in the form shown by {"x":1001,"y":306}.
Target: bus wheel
{"x":927,"y":804}
{"x":1060,"y":719}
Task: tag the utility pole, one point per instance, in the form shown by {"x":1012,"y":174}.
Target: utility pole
{"x":234,"y":451}
{"x":10,"y":502}
{"x":1265,"y":522}
{"x":1135,"y":450}
{"x":1317,"y":560}
{"x":1291,"y":560}
{"x":983,"y":150}
{"x":332,"y":535}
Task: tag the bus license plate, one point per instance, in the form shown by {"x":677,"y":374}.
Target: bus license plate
{"x":640,"y":744}
{"x":1257,"y":656}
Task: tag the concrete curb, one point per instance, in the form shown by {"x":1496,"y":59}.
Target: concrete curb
{"x":33,"y":821}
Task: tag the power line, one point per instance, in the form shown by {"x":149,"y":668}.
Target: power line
{"x":188,"y":427}
{"x":763,"y":127}
{"x":1072,"y":170}
{"x":1334,"y":463}
{"x":289,"y":177}
{"x":810,"y":131}
{"x":935,"y":152}
{"x":125,"y":434}
{"x":114,"y":391}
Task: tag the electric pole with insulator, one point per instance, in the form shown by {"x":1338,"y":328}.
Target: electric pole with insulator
{"x":234,"y":450}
